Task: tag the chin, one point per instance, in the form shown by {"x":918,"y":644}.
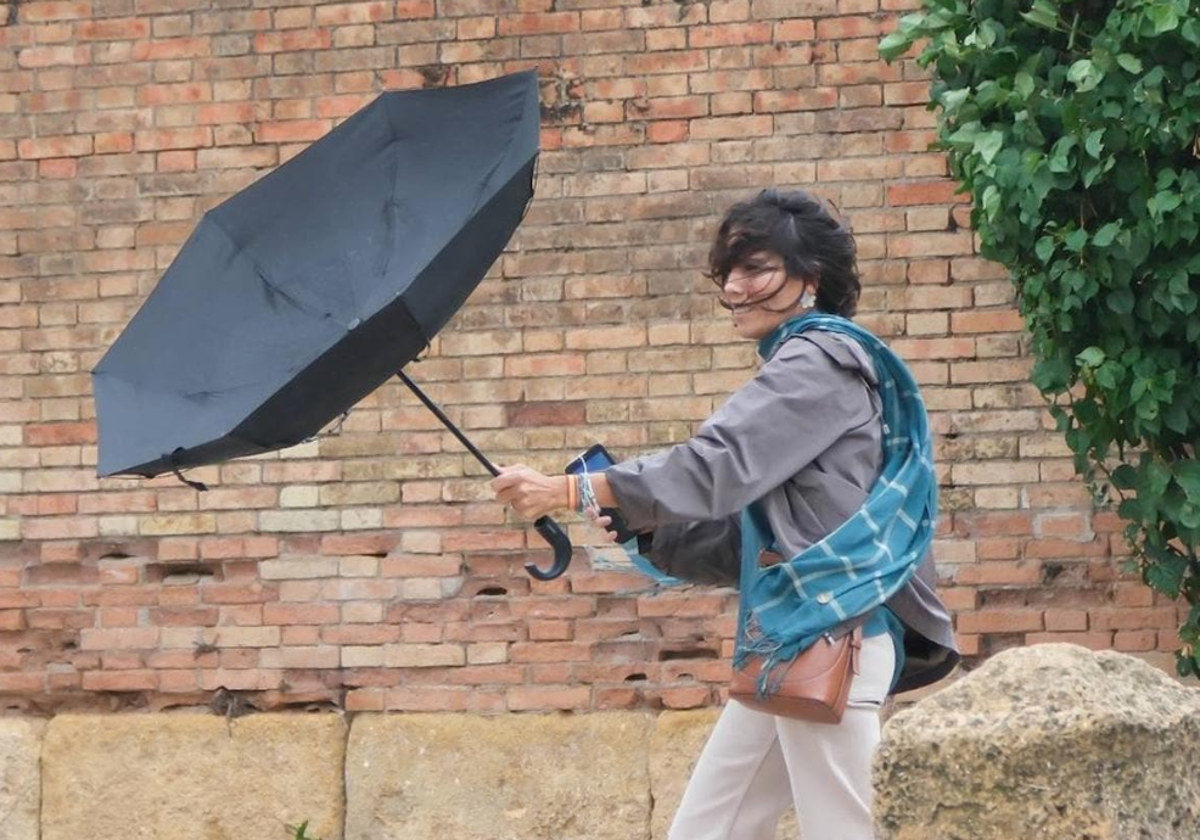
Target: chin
{"x":751,"y":331}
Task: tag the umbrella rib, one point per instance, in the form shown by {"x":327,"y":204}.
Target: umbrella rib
{"x":512,"y":139}
{"x":239,"y":252}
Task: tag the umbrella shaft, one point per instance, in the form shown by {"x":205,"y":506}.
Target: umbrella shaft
{"x":448,"y":423}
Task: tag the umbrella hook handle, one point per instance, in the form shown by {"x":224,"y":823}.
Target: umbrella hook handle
{"x":552,"y":533}
{"x":550,"y":530}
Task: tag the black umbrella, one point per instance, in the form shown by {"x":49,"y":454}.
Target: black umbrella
{"x":303,"y":293}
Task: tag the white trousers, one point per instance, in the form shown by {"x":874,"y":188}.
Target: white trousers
{"x":755,"y":765}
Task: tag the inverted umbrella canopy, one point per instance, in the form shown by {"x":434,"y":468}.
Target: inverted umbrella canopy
{"x":300,"y":295}
{"x":303,"y":293}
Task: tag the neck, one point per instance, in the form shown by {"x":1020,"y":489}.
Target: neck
{"x":798,"y":323}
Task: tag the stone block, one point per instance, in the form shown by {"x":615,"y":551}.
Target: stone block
{"x":509,"y":777}
{"x":186,"y":776}
{"x":20,"y":799}
{"x":1052,"y":741}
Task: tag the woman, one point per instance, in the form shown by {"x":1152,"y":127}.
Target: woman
{"x":796,"y":460}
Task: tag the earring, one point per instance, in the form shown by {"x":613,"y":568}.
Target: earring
{"x":807,"y":299}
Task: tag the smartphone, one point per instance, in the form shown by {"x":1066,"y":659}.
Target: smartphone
{"x":596,"y":459}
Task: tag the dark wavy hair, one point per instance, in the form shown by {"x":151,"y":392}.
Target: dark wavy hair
{"x":801,"y":229}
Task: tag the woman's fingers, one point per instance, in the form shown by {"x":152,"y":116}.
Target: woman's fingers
{"x":604,"y":522}
{"x":508,"y":485}
{"x":527,"y":491}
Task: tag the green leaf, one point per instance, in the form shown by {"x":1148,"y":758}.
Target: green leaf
{"x":1191,"y":31}
{"x":1121,"y":301}
{"x":1187,"y":473}
{"x":1042,"y":14}
{"x":894,"y":44}
{"x":1091,"y":357}
{"x":1108,"y":375}
{"x":1176,"y":417}
{"x":1165,"y":572}
{"x":1023,"y":85}
{"x":1060,"y":154}
{"x":965,"y":136}
{"x":1105,"y":236}
{"x":951,"y":100}
{"x":1084,"y":75}
{"x":1125,"y":477}
{"x":988,"y":144}
{"x":1075,"y":240}
{"x":1130,"y":63}
{"x":991,"y":201}
{"x":1094,"y":143}
{"x":1163,"y":16}
{"x":1051,"y":375}
{"x":1044,"y":248}
{"x":1184,"y":665}
{"x":1154,"y":478}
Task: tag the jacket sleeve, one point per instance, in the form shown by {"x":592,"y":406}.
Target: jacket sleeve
{"x":699,"y":552}
{"x":795,"y":407}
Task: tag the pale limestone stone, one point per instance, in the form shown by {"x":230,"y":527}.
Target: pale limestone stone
{"x":1054,"y":742}
{"x":510,"y":777}
{"x":192,"y":776}
{"x":299,"y":520}
{"x":298,"y":568}
{"x":20,"y":748}
{"x":678,"y":740}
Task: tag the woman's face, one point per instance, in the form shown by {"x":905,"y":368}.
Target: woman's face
{"x":761,"y":295}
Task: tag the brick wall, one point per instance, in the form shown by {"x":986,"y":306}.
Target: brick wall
{"x":371,"y":568}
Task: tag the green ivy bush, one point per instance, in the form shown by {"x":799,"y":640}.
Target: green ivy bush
{"x":1073,"y":126}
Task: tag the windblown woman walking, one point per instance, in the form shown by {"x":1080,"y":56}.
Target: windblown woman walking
{"x":813,"y":489}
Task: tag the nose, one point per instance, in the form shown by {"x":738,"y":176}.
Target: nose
{"x":735,"y":288}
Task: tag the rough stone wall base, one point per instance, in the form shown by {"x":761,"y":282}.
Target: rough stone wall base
{"x":600,"y":776}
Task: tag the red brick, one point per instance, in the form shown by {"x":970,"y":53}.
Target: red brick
{"x":986,"y":321}
{"x":810,"y":99}
{"x":800,"y":29}
{"x":1133,"y":618}
{"x":546,"y":414}
{"x":293,"y":41}
{"x":50,"y":10}
{"x":176,"y":138}
{"x":729,"y":34}
{"x":172,"y":48}
{"x":26,"y":683}
{"x":926,"y":192}
{"x":548,"y":698}
{"x":37,"y":148}
{"x":1094,"y":641}
{"x":999,"y":621}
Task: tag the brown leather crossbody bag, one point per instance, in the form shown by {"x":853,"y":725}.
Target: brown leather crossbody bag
{"x":814,"y":686}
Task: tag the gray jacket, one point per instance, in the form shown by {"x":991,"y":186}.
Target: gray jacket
{"x":804,"y":437}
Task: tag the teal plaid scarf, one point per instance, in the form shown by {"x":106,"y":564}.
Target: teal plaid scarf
{"x":786,"y":607}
